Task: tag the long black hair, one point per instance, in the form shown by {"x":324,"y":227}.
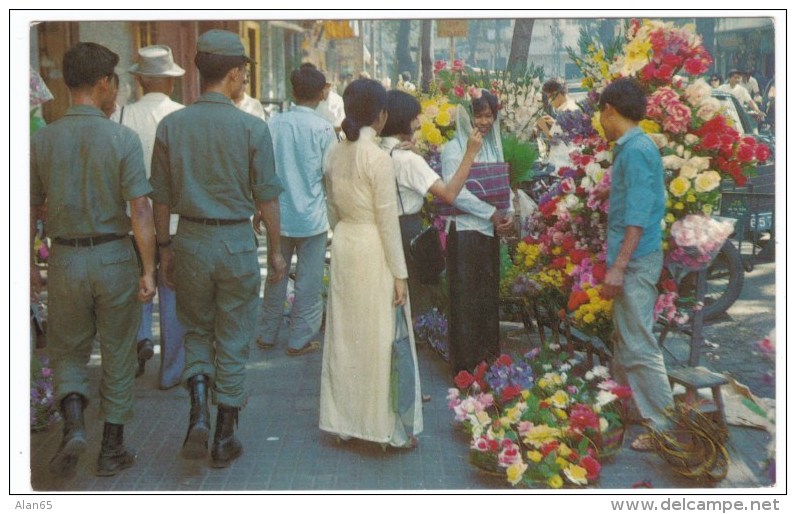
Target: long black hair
{"x":363,"y":100}
{"x":402,"y":109}
{"x":486,"y":99}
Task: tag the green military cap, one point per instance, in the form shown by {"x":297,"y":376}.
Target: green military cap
{"x":221,"y":42}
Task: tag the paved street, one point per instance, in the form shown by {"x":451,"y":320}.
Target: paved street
{"x":285,"y":451}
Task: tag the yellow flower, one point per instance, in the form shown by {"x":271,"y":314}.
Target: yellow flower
{"x":707,"y":181}
{"x":560,"y":413}
{"x":525,"y":394}
{"x":535,"y":456}
{"x":669,"y":217}
{"x":515,"y":472}
{"x":483,"y":418}
{"x":690,"y":198}
{"x":679,"y":206}
{"x":555,"y":482}
{"x":564,"y":450}
{"x":649,"y":127}
{"x":576,"y":474}
{"x":589,"y":318}
{"x":595,"y":122}
{"x":679,"y":186}
{"x":556,"y":250}
{"x":636,"y":55}
{"x":562,"y":462}
{"x":541,"y":434}
{"x":443,"y":119}
{"x":560,"y":399}
{"x":707,"y":209}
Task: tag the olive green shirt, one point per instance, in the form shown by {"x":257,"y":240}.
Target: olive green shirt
{"x":86,"y":167}
{"x":212,"y":160}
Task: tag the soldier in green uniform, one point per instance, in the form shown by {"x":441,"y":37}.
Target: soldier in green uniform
{"x":86,"y":167}
{"x":213,"y":164}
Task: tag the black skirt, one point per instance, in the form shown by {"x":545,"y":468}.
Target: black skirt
{"x":473,"y":262}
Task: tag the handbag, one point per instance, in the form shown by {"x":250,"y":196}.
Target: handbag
{"x":402,"y":374}
{"x":489,"y":182}
{"x":422,"y":247}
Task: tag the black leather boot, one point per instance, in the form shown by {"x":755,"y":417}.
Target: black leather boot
{"x":113,"y":457}
{"x":226,"y":447}
{"x":73,"y":444}
{"x":195,"y":444}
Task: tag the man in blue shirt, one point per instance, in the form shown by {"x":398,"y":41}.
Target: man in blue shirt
{"x":635,"y":257}
{"x":301,"y":138}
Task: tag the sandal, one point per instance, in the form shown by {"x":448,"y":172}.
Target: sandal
{"x":644,"y":443}
{"x":307,"y":348}
{"x":262,"y":345}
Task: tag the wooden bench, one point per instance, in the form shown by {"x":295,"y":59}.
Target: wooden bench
{"x":694,"y":379}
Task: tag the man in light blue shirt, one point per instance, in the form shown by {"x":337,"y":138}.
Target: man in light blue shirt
{"x":635,"y":259}
{"x":301,"y":139}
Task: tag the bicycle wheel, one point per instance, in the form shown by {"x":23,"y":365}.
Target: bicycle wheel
{"x":724,"y":282}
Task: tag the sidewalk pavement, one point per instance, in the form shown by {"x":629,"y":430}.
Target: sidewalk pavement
{"x":285,"y":451}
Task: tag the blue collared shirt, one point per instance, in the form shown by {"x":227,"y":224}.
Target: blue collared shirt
{"x":638,"y":194}
{"x":301,"y":139}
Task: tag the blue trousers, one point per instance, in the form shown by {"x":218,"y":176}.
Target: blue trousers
{"x":172,"y":353}
{"x":638,"y":360}
{"x":307,"y":311}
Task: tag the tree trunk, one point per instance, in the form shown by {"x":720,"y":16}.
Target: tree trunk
{"x":520,"y":45}
{"x":403,"y":59}
{"x":426,"y":70}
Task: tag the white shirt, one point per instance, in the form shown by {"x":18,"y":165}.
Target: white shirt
{"x":143,"y":116}
{"x":252,"y":106}
{"x":414,"y":176}
{"x":738,"y":92}
{"x":332,"y":109}
{"x":559,"y":152}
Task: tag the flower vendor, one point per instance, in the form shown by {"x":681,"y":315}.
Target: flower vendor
{"x":473,"y":258}
{"x":635,"y":257}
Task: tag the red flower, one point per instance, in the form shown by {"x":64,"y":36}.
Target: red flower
{"x":592,"y":467}
{"x":746,"y":153}
{"x":463,"y":380}
{"x":494,"y":446}
{"x":711,"y":141}
{"x":672,"y":60}
{"x":582,"y":417}
{"x":546,"y":448}
{"x":576,"y":299}
{"x":664,"y":72}
{"x":762,"y":153}
{"x":504,"y":360}
{"x":459,"y":91}
{"x":509,"y":393}
{"x":669,"y":285}
{"x":598,"y":272}
{"x":439,"y":65}
{"x":648,"y":72}
{"x":458,"y":65}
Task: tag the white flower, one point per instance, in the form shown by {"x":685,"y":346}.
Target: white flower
{"x":707,"y":181}
{"x":708,"y":108}
{"x":659,"y":139}
{"x":688,"y":170}
{"x":699,"y":162}
{"x":690,"y":139}
{"x":673,"y":162}
{"x":697,"y":92}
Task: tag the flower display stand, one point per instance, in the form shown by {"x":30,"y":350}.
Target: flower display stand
{"x":694,"y":379}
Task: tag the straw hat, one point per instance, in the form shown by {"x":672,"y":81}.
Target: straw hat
{"x":156,"y":61}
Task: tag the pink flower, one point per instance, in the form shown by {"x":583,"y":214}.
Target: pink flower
{"x":439,"y":65}
{"x":458,"y":65}
{"x":474,"y":92}
{"x":458,"y":90}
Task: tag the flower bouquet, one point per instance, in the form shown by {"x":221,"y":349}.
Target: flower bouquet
{"x":535,"y":422}
{"x":432,"y":327}
{"x":42,"y":395}
{"x":695,"y":240}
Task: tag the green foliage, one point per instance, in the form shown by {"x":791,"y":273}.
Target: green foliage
{"x":520,"y":155}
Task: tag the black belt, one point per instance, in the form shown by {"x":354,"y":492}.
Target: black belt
{"x":213,"y":221}
{"x":88,"y":241}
